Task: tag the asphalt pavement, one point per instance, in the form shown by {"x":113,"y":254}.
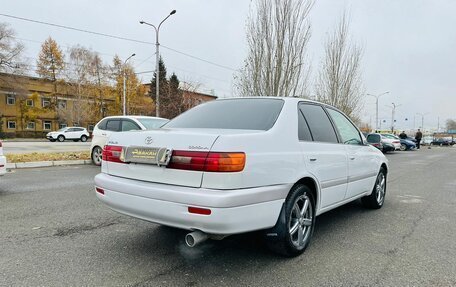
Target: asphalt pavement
{"x":54,"y":232}
{"x":10,"y":147}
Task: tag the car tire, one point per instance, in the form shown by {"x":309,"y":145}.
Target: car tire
{"x":60,"y":138}
{"x":83,"y":138}
{"x":96,"y":155}
{"x":403,"y":147}
{"x":377,"y":198}
{"x":293,"y":231}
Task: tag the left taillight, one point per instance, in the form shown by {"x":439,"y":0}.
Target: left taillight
{"x":112,"y":153}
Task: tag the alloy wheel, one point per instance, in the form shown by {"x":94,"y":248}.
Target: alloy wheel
{"x":300,"y":221}
{"x":380,"y":188}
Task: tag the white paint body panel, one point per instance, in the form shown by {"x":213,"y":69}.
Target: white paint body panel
{"x":2,"y":162}
{"x":275,"y":161}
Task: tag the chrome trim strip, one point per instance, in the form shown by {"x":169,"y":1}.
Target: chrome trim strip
{"x":334,"y":182}
{"x":353,"y":178}
{"x":361,"y":177}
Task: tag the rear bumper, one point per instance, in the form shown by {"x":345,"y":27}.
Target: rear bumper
{"x":2,"y":165}
{"x":232,"y":211}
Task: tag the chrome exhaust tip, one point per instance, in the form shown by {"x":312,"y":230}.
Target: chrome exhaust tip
{"x":194,"y":238}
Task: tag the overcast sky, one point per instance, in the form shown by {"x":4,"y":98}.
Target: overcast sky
{"x":408,"y":46}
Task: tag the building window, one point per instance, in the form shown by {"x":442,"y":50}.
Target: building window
{"x":10,"y":99}
{"x":29,"y":103}
{"x":62,"y":104}
{"x":47,"y":125}
{"x":90,"y":127}
{"x":45,"y":102}
{"x":11,"y":125}
{"x":61,"y":126}
{"x":31,"y":125}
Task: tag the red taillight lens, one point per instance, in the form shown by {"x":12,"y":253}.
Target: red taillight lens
{"x":0,"y":144}
{"x":208,"y":161}
{"x":189,"y":160}
{"x":112,"y":153}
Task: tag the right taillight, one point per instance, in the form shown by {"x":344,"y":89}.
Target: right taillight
{"x":207,"y":161}
{"x":112,"y":153}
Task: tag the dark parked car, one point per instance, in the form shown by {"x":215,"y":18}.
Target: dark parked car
{"x":442,"y":141}
{"x":376,"y":140}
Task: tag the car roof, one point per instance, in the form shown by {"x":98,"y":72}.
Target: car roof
{"x":286,"y":99}
{"x":134,"y":117}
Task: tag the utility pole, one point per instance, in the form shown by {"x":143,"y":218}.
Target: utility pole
{"x":393,"y":112}
{"x":157,"y":67}
{"x":376,"y":107}
{"x":125,"y":84}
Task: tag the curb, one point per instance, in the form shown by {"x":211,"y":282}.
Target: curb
{"x":34,"y":164}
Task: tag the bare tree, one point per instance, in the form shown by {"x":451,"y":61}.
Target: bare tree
{"x":78,"y":74}
{"x":277,"y":37}
{"x":339,"y":80}
{"x":10,"y":51}
{"x":451,"y":124}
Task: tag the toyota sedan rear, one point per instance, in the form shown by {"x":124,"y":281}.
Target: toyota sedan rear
{"x":238,"y":165}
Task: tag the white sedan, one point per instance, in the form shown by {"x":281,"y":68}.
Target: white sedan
{"x":238,"y":165}
{"x":2,"y":160}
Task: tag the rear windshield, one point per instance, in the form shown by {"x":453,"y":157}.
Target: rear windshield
{"x":151,"y":124}
{"x":246,"y":114}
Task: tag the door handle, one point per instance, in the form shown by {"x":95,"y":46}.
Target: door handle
{"x":352,"y":158}
{"x":313,"y":159}
{"x":103,"y":134}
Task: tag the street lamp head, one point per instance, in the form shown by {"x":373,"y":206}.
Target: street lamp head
{"x":141,"y":22}
{"x":132,"y":55}
{"x":173,"y":12}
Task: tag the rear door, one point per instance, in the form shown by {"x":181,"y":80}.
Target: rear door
{"x":70,"y":133}
{"x":324,"y":156}
{"x":106,"y":129}
{"x":360,"y":157}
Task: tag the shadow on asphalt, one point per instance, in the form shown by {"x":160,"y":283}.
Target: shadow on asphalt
{"x":235,"y":252}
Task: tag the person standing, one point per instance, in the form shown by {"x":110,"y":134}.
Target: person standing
{"x":418,"y":137}
{"x":403,"y":135}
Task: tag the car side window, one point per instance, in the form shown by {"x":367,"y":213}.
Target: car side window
{"x":347,"y":131}
{"x":303,"y":129}
{"x":128,"y":125}
{"x":113,"y":125}
{"x":102,"y":125}
{"x":320,"y":126}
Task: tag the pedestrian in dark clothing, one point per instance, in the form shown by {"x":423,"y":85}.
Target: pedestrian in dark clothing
{"x":418,"y":137}
{"x":403,"y":135}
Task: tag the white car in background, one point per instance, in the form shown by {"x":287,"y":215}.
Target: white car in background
{"x":243,"y":164}
{"x":104,"y":128}
{"x":69,"y":133}
{"x":392,"y":139}
{"x":2,"y":160}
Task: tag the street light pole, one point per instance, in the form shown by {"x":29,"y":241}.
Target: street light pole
{"x":376,"y":106}
{"x":125,"y":83}
{"x":422,"y":119}
{"x":157,"y":67}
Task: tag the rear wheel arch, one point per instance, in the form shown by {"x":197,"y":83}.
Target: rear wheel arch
{"x":384,"y":167}
{"x":313,"y":186}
